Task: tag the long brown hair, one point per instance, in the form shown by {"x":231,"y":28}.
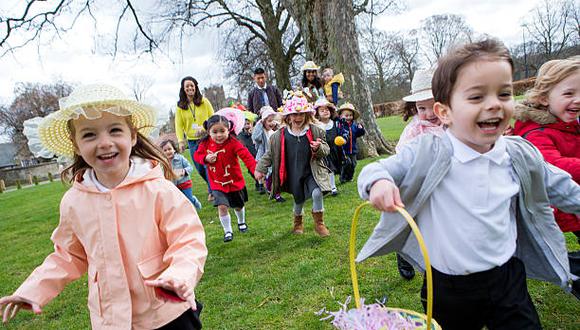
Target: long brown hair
{"x":183,"y":102}
{"x":143,"y":148}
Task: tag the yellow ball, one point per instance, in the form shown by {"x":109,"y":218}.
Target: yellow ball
{"x":339,"y":141}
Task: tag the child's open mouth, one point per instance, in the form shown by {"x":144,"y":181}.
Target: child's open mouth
{"x":108,"y":157}
{"x":489,"y":125}
{"x":573,"y":112}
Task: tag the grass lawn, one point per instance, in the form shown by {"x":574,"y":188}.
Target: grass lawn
{"x":265,"y":279}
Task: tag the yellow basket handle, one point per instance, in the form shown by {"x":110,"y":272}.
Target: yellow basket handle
{"x":417,"y":233}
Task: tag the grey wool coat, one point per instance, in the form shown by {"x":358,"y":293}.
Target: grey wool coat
{"x":272,"y":157}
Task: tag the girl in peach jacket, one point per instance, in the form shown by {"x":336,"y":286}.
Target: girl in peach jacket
{"x":133,"y":231}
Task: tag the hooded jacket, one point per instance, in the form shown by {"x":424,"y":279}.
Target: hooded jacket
{"x":143,"y":229}
{"x":559,"y":143}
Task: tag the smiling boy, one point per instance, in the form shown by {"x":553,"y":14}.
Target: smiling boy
{"x":480,"y":199}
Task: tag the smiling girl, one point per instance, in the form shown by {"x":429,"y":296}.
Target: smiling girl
{"x":137,"y":236}
{"x":219,"y":151}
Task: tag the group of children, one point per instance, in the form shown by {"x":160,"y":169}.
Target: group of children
{"x":482,"y":200}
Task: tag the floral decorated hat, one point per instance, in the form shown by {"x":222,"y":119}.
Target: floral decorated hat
{"x":349,"y":106}
{"x":297,"y":103}
{"x":50,"y":135}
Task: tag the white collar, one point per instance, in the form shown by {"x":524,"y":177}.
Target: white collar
{"x":463,"y":153}
{"x":302,"y":132}
{"x":265,"y":86}
{"x":138,"y":167}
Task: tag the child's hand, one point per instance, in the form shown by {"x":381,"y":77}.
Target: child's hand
{"x":179,"y":172}
{"x":384,"y":196}
{"x":178,"y":287}
{"x":210,"y":158}
{"x":259,"y":176}
{"x":315,"y":144}
{"x":10,"y":305}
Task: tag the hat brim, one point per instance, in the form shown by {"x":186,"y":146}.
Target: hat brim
{"x":420,"y":96}
{"x":355,"y":113}
{"x":298,"y":112}
{"x":55,"y":135}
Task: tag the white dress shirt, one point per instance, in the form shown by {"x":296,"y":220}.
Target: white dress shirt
{"x":469,"y":221}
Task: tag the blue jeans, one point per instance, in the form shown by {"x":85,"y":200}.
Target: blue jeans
{"x":189,"y":194}
{"x":201,"y":169}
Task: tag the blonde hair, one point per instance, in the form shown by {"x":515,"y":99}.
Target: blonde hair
{"x":143,"y":148}
{"x":549,"y":75}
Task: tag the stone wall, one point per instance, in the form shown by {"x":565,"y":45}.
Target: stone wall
{"x":21,"y":173}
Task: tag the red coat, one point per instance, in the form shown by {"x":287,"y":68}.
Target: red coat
{"x":559,"y":143}
{"x":225,"y":174}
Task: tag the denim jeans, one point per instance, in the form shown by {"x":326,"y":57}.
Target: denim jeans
{"x":201,"y":169}
{"x":189,"y":194}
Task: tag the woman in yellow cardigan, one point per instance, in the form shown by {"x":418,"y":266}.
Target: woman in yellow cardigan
{"x":192,"y":110}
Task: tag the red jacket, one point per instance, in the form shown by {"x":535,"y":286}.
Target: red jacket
{"x":225,"y":174}
{"x":559,"y":143}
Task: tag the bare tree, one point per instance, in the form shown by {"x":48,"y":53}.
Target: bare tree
{"x":32,"y":100}
{"x":553,"y":25}
{"x":330,"y":39}
{"x":140,"y":86}
{"x":406,"y":49}
{"x":443,"y":32}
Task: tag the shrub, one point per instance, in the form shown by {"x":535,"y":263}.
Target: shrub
{"x":50,"y":177}
{"x":18,"y":184}
{"x":35,"y":180}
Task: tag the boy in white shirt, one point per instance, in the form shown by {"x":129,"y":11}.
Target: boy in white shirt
{"x":481,"y":200}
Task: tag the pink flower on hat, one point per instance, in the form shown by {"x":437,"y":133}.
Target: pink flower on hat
{"x":297,"y":104}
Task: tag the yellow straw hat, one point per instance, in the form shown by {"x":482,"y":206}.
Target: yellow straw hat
{"x":349,"y":106}
{"x":310,"y":66}
{"x":50,"y":135}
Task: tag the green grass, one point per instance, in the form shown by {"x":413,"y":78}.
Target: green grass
{"x":265,"y":279}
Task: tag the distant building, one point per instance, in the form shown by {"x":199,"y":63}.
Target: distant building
{"x":7,"y":154}
{"x":216,"y":96}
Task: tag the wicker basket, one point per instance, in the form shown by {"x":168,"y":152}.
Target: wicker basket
{"x":421,"y":321}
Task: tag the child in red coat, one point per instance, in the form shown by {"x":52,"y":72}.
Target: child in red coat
{"x":219,"y":151}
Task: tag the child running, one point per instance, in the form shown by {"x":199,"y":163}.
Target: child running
{"x":219,"y":151}
{"x":181,"y":169}
{"x":350,"y":130}
{"x":137,"y":236}
{"x":548,"y":118}
{"x":326,"y":115}
{"x":296,"y":155}
{"x":265,"y":128}
{"x":480,"y":199}
{"x":419,"y":105}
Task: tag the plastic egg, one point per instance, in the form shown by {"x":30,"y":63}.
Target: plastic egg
{"x":339,"y":141}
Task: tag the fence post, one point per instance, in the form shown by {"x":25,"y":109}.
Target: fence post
{"x":2,"y":186}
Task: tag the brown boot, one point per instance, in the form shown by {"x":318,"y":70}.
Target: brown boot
{"x":298,"y":225}
{"x":319,"y":226}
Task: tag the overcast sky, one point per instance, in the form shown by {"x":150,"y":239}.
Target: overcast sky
{"x":78,"y":58}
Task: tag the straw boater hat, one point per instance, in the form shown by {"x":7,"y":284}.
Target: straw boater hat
{"x":420,"y":86}
{"x":349,"y":106}
{"x":50,"y":135}
{"x":310,"y":66}
{"x":297,"y":103}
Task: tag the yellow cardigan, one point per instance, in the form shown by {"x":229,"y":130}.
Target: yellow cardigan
{"x":184,"y":119}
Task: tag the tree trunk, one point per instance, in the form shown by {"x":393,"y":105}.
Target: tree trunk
{"x":330,"y":38}
{"x":274,"y":36}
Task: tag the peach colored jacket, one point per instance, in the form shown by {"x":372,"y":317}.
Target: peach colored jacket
{"x":143,"y":229}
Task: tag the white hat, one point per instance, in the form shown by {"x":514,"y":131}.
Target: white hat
{"x":420,"y":86}
{"x":310,"y":66}
{"x":50,"y":135}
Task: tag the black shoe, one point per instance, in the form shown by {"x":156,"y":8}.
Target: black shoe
{"x":334,"y":192}
{"x":405,"y":269}
{"x":576,"y":289}
{"x":228,"y":237}
{"x":280,"y":199}
{"x":242,"y":227}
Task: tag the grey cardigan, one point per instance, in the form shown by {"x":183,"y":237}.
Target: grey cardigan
{"x":423,"y":163}
{"x":260,"y":140}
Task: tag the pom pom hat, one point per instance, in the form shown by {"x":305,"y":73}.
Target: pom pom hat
{"x":50,"y":135}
